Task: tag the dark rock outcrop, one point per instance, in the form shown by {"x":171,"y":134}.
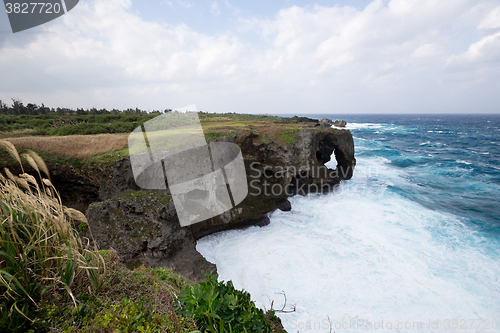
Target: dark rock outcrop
{"x":144,"y":229}
{"x":326,"y":122}
{"x":143,"y":226}
{"x":119,"y":179}
{"x":284,"y":205}
{"x":315,"y":122}
{"x":339,"y":123}
{"x":297,"y":120}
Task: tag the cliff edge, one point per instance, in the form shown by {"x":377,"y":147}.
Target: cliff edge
{"x":143,"y":226}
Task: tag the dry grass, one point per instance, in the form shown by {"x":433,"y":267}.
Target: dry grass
{"x":266,"y":131}
{"x":79,"y":146}
{"x":16,"y":133}
{"x":41,"y":254}
{"x":86,"y":146}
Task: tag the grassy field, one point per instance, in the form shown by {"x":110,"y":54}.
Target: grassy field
{"x":103,"y":139}
{"x":55,"y":124}
{"x":79,"y":146}
{"x":73,"y":124}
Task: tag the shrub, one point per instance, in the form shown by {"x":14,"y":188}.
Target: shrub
{"x":219,"y":307}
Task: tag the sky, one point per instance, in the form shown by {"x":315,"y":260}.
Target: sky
{"x":265,"y":57}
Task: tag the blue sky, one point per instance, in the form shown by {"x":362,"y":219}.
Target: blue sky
{"x":283,"y":56}
{"x":221,"y":16}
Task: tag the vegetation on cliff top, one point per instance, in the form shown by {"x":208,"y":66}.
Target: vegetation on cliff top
{"x":21,"y":120}
{"x":82,"y":138}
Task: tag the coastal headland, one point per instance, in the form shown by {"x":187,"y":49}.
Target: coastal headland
{"x":282,"y":157}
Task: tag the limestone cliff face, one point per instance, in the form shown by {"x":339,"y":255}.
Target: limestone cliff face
{"x":276,"y":172}
{"x":144,"y":229}
{"x":144,"y":226}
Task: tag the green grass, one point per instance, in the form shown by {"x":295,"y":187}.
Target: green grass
{"x":107,"y":159}
{"x":7,"y":160}
{"x":289,"y":135}
{"x":154,"y":300}
{"x":209,"y":136}
{"x":206,"y":117}
{"x":140,"y":300}
{"x":162,"y":198}
{"x":121,"y":122}
{"x":55,"y":124}
{"x":103,"y":160}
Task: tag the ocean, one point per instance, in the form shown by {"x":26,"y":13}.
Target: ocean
{"x":410,"y":244}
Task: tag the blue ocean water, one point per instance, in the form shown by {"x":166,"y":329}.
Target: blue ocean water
{"x":410,"y":244}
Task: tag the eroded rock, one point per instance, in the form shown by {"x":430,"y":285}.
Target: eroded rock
{"x":144,"y":229}
{"x":326,"y":122}
{"x":143,"y":226}
{"x":339,"y":123}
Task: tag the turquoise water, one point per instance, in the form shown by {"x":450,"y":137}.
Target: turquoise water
{"x":410,"y":244}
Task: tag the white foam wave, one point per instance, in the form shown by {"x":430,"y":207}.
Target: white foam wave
{"x":355,"y":126}
{"x":363,"y":254}
{"x":380,"y":128}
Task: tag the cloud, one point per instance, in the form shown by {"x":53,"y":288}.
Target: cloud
{"x":214,"y":8}
{"x":426,"y":50}
{"x":234,"y":9}
{"x":185,"y":4}
{"x":302,"y":59}
{"x":170,"y":3}
{"x":485,"y":50}
{"x":491,"y":21}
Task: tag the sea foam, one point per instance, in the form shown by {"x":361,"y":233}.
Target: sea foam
{"x":366,"y":255}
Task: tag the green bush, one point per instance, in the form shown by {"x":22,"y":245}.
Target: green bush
{"x":71,"y":124}
{"x":219,"y":307}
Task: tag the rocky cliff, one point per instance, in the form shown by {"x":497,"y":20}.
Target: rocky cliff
{"x":143,"y":226}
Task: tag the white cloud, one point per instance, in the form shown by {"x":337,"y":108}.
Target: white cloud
{"x":491,"y":21}
{"x":378,"y":59}
{"x":426,"y":50}
{"x":214,"y":8}
{"x":234,"y":9}
{"x":185,"y":4}
{"x":170,"y":3}
{"x":485,"y":50}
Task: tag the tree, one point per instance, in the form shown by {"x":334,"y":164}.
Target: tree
{"x":18,"y":106}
